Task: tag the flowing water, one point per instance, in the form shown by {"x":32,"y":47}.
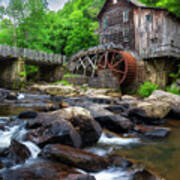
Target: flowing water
{"x":160,"y":156}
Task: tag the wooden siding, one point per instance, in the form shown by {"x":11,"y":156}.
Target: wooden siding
{"x":117,"y":30}
{"x":158,"y":37}
{"x":151,"y":32}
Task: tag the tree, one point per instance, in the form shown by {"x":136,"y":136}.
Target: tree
{"x":172,"y":5}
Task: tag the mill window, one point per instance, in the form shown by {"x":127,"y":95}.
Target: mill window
{"x":105,"y":23}
{"x":125,"y":16}
{"x":149,"y":18}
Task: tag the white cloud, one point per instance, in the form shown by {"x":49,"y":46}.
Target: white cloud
{"x":55,"y":5}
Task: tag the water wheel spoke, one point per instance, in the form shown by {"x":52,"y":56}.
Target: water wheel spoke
{"x":118,"y":71}
{"x":117,"y":63}
{"x":112,"y":59}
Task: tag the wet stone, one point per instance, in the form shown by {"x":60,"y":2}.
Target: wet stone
{"x":74,"y":157}
{"x":152,"y":131}
{"x":44,"y":170}
{"x":116,"y":160}
{"x":144,"y":175}
{"x":27,"y":115}
{"x":49,"y":129}
{"x":17,"y":152}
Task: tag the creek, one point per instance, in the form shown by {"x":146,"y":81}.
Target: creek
{"x":160,"y":156}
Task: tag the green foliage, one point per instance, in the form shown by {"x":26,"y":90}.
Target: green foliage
{"x":31,"y":70}
{"x":22,"y":74}
{"x":70,"y":75}
{"x":172,"y":5}
{"x":173,"y":89}
{"x":63,"y":82}
{"x":147,"y":89}
{"x":176,"y":76}
{"x":32,"y":25}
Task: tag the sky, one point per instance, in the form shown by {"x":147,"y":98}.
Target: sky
{"x":54,"y":5}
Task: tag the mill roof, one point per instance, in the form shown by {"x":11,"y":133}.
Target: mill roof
{"x":135,"y":3}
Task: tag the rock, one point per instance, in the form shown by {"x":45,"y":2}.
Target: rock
{"x":74,"y":157}
{"x":63,"y":104}
{"x":172,"y":99}
{"x":151,"y":112}
{"x":89,"y":130}
{"x":152,"y":131}
{"x":44,"y":170}
{"x":116,"y":160}
{"x":27,"y":115}
{"x":78,"y":177}
{"x":1,"y":165}
{"x":49,"y":107}
{"x":48,"y":128}
{"x":132,"y":101}
{"x":12,"y":96}
{"x":18,"y":152}
{"x":116,"y":123}
{"x":144,"y":175}
{"x":107,"y":119}
{"x":2,"y":127}
{"x":128,"y":98}
{"x":165,"y":97}
{"x":155,"y":109}
{"x":174,"y":113}
{"x":121,"y":108}
{"x":56,"y":89}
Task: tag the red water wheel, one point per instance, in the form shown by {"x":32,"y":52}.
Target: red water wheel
{"x":122,"y":64}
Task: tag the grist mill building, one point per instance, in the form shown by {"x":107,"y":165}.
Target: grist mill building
{"x":151,"y":34}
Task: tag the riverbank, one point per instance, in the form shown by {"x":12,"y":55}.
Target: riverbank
{"x":47,"y":128}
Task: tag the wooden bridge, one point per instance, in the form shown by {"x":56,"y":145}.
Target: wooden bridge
{"x":13,"y":60}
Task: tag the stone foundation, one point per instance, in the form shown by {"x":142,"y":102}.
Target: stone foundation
{"x":12,"y":73}
{"x":158,"y":71}
{"x":105,"y":79}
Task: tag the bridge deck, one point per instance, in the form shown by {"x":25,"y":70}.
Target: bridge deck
{"x":31,"y":56}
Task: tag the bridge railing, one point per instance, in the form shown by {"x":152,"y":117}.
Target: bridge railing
{"x":31,"y":56}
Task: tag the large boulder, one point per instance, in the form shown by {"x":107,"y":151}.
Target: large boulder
{"x":44,"y":170}
{"x":166,"y":97}
{"x":109,"y":120}
{"x":50,"y":128}
{"x":172,"y":99}
{"x":81,"y":119}
{"x":155,"y":109}
{"x":149,"y":112}
{"x":74,"y":157}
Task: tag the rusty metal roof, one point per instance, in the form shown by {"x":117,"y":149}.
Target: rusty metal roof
{"x":135,"y":3}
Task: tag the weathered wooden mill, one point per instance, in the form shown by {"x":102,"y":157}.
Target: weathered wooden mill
{"x":138,"y":43}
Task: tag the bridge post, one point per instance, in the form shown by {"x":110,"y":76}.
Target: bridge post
{"x":12,"y":73}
